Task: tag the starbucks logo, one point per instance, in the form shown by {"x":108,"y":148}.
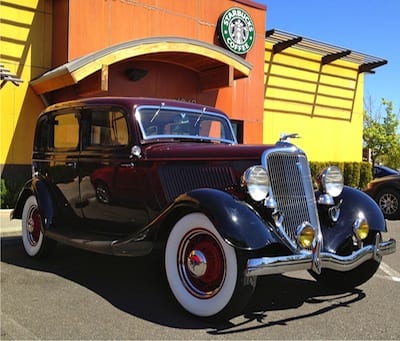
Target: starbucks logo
{"x":236,"y":30}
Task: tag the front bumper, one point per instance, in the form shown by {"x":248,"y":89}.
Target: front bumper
{"x":324,"y":260}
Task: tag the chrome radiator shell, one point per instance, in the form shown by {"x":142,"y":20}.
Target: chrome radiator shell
{"x":292,"y":190}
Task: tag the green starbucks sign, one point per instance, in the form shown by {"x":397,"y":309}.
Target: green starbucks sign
{"x":236,"y":30}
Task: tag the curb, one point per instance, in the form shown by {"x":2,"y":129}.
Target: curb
{"x":9,"y":228}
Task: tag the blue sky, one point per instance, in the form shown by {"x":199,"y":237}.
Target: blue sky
{"x":368,"y":26}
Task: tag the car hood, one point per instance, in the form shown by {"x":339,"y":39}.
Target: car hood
{"x":387,"y":178}
{"x":196,"y":151}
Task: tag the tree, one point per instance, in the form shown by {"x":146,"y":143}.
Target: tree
{"x":380,"y":131}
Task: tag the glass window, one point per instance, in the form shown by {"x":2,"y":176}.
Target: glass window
{"x":172,"y":123}
{"x":66,"y":131}
{"x":42,"y":138}
{"x":108,"y":128}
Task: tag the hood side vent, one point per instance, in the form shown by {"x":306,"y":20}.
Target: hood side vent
{"x":181,"y":179}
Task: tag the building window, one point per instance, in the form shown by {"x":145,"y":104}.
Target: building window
{"x":238,"y":130}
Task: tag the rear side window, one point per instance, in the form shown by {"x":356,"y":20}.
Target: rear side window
{"x":42,"y":138}
{"x":57,"y":131}
{"x":108,"y":128}
{"x":66,"y":131}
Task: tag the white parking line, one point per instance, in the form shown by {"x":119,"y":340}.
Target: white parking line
{"x":15,"y":330}
{"x":390,"y":272}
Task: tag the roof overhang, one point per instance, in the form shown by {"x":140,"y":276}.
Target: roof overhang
{"x":207,"y":59}
{"x":329,"y":53}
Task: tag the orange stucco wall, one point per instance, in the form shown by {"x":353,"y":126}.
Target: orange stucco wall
{"x":93,"y":25}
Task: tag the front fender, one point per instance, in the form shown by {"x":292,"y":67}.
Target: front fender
{"x":237,"y":222}
{"x":355,"y":202}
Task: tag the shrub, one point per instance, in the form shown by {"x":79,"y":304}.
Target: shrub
{"x":355,"y":174}
{"x":9,"y":191}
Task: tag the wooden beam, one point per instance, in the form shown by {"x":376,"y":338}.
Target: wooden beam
{"x":283,"y":45}
{"x":104,"y":77}
{"x":329,"y":58}
{"x":220,"y":77}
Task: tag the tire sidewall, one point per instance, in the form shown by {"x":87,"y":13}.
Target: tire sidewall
{"x":31,"y":250}
{"x":200,"y":307}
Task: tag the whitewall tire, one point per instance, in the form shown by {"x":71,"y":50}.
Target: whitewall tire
{"x":202,"y":269}
{"x":35,"y":244}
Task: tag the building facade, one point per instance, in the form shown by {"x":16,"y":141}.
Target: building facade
{"x":217,"y":53}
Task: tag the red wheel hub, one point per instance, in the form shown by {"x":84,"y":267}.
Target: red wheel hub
{"x":34,"y":226}
{"x":202,"y":263}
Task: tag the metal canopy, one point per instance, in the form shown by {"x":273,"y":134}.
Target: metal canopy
{"x":329,"y":53}
{"x":7,"y":76}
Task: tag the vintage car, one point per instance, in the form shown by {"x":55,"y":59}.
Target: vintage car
{"x":133,"y":176}
{"x":385,"y":191}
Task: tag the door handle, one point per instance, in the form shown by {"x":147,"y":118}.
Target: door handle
{"x":71,"y":164}
{"x":127,"y":165}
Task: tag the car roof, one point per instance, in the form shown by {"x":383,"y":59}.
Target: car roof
{"x":130,"y":102}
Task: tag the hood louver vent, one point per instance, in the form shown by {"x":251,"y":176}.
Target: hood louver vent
{"x":181,"y":179}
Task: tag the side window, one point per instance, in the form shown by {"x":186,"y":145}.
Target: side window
{"x":66,"y":131}
{"x":42,"y":137}
{"x":108,"y":128}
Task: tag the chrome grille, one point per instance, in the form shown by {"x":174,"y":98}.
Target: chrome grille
{"x":292,"y":189}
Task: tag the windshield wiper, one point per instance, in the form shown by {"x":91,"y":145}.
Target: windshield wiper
{"x":157,"y":112}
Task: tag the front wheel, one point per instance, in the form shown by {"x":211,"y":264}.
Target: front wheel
{"x":389,"y":202}
{"x":349,"y":279}
{"x":205,"y":274}
{"x":35,"y":243}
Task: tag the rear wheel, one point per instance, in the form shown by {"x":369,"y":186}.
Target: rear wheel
{"x":205,"y":274}
{"x":35,"y":243}
{"x":349,"y":279}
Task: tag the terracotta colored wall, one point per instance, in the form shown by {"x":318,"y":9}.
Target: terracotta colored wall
{"x":96,"y":24}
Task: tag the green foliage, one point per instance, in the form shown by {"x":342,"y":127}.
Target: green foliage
{"x":355,"y":174}
{"x":3,"y":193}
{"x":9,"y":191}
{"x":380,"y":133}
{"x":365,"y":174}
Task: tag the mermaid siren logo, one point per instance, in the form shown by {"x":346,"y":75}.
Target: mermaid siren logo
{"x":236,"y":30}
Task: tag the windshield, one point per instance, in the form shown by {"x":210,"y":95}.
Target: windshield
{"x":178,"y":123}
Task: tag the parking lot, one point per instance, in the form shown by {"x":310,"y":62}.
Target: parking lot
{"x":81,"y":295}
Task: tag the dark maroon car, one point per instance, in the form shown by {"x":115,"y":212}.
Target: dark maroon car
{"x":385,"y":191}
{"x":132,"y":176}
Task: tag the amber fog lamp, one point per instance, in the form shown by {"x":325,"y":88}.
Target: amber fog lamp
{"x":361,"y":228}
{"x":256,"y":181}
{"x":305,"y":235}
{"x":331,"y":181}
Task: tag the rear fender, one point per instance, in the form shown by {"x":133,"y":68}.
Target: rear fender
{"x":39,"y":188}
{"x":238,"y":223}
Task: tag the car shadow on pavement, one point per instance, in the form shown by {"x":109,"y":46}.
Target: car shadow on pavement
{"x":139,"y":287}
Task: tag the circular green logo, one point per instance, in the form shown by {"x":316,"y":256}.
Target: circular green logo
{"x":237,"y":30}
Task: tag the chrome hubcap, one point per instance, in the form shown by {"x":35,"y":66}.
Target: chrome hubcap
{"x":197,"y":263}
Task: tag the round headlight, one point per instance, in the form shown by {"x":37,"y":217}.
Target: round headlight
{"x":331,"y":181}
{"x":255,"y":179}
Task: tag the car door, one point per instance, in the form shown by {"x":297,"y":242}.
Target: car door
{"x":56,"y":154}
{"x":109,"y":198}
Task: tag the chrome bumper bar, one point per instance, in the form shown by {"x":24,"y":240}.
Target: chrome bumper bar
{"x":304,"y":261}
